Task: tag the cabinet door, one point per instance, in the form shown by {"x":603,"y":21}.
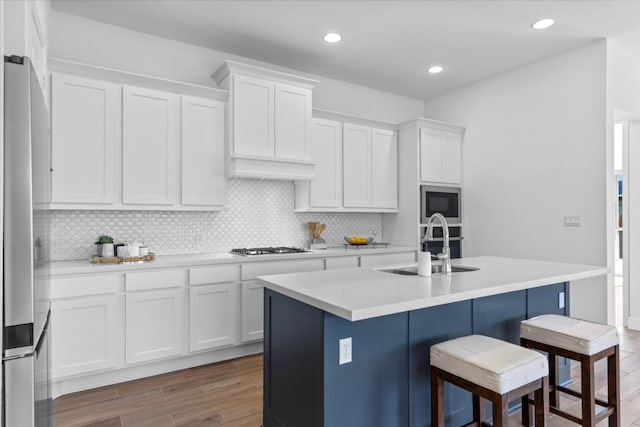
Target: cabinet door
{"x":430,"y":155}
{"x":203,"y":173}
{"x":150,"y":149}
{"x":252,"y":310}
{"x":292,"y":122}
{"x":213,"y":315}
{"x":85,"y":335}
{"x":253,"y":117}
{"x":451,"y":157}
{"x":384,"y":169}
{"x":84,"y":124}
{"x":153,"y":325}
{"x":325,"y":190}
{"x":356,"y":149}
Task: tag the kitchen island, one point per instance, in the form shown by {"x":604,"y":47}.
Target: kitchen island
{"x":392,"y":320}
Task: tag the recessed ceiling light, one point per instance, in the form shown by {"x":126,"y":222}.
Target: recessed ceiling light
{"x":436,"y":69}
{"x":332,"y":37}
{"x":542,"y":24}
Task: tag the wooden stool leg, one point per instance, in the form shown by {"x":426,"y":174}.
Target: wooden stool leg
{"x":478,"y":409}
{"x":526,"y":411}
{"x":500,"y":408}
{"x":613,"y":386}
{"x":588,"y":392}
{"x":542,"y":403}
{"x":437,"y":398}
{"x":554,"y":398}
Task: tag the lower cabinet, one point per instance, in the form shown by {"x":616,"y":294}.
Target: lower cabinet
{"x":213,"y":315}
{"x":95,"y":341}
{"x":252,"y":310}
{"x":154,"y":325}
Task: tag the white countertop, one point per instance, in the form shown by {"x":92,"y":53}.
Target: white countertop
{"x":363,"y":293}
{"x":58,"y":268}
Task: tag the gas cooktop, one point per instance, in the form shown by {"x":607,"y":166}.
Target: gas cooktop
{"x":267,"y":251}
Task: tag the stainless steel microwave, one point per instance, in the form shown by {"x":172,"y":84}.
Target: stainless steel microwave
{"x":444,"y":200}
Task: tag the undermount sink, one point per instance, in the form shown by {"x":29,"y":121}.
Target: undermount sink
{"x":435,"y":269}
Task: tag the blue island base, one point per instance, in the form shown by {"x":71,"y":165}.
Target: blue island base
{"x":387,"y":383}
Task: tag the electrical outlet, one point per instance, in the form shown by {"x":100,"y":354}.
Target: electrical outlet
{"x":345,"y":351}
{"x":561,"y":300}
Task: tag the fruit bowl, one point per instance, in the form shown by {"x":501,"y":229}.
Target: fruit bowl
{"x":358,"y":240}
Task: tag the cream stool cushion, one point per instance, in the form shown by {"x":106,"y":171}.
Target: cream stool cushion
{"x":488,"y":362}
{"x":571,"y":334}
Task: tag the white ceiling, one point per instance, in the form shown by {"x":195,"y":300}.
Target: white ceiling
{"x":386,"y":45}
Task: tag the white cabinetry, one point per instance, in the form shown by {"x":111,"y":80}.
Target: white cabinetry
{"x":214,"y":307}
{"x":150,"y":147}
{"x":269,"y":122}
{"x":429,"y":152}
{"x":325,"y":192}
{"x":122,"y":147}
{"x":370,"y":167}
{"x":253,"y":292}
{"x":154,"y":315}
{"x":85,"y":124}
{"x":356,"y":166}
{"x":86,"y":318}
{"x":384,"y":169}
{"x":203,"y":175}
{"x":440,"y":155}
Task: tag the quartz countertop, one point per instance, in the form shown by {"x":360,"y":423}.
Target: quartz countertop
{"x":58,"y":268}
{"x":363,"y":293}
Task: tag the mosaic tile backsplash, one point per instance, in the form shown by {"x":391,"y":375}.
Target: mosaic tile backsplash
{"x":260,"y":213}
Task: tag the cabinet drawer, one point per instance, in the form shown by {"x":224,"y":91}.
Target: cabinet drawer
{"x":251,"y":271}
{"x":342,"y":262}
{"x":387,"y":259}
{"x":210,"y":275}
{"x":155,"y":280}
{"x":69,"y":287}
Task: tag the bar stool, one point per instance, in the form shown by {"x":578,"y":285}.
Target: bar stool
{"x":491,"y":369}
{"x":585,"y":342}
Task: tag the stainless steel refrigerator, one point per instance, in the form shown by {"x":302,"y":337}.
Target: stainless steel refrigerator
{"x":26,"y":397}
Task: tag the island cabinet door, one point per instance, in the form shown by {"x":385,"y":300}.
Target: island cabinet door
{"x":293,"y":360}
{"x":427,"y":327}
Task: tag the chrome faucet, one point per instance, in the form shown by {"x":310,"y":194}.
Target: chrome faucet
{"x":445,"y":255}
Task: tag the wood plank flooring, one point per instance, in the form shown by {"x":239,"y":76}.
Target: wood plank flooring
{"x":229,"y":394}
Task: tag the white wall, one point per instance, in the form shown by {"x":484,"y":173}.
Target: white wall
{"x":91,"y":42}
{"x":534,"y":151}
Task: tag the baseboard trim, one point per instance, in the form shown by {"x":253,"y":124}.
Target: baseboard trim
{"x":74,"y":384}
{"x":633,"y":323}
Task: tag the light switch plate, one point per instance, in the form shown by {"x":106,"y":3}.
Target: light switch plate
{"x":561,"y":300}
{"x":572,"y":220}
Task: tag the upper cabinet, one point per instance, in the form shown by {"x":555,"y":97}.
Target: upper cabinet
{"x":26,"y":34}
{"x":269,"y":122}
{"x":356,"y":166}
{"x":440,"y":154}
{"x":122,"y":147}
{"x":84,"y":139}
{"x":203,"y":175}
{"x":150,"y":146}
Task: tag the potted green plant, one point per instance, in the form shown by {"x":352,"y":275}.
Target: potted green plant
{"x":105,"y":246}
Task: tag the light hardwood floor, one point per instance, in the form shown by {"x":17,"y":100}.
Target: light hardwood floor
{"x":230,"y":394}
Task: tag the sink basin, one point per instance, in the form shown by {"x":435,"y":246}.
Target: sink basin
{"x":435,"y":269}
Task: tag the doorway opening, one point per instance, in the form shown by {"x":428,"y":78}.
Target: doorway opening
{"x":619,"y":158}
